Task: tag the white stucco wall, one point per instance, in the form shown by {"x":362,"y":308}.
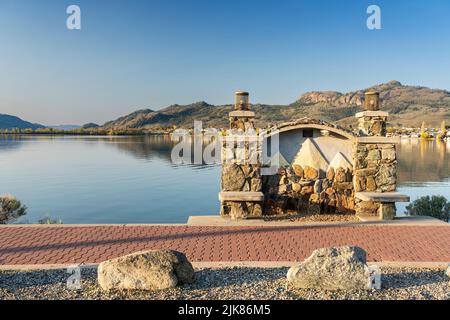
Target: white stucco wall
{"x":291,"y":142}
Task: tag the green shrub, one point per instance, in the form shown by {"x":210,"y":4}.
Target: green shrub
{"x":436,"y":206}
{"x":48,"y":220}
{"x":10,"y":208}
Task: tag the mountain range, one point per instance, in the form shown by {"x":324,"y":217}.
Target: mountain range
{"x":10,"y":122}
{"x":408,"y":106}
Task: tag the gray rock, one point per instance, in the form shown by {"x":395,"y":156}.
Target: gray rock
{"x":318,"y":186}
{"x":335,"y":268}
{"x":256,"y":185}
{"x":388,"y":154}
{"x":386,"y":175}
{"x":148,"y":270}
{"x":233,"y":178}
{"x":306,"y":183}
{"x":374,"y":155}
{"x":284,"y":188}
{"x":387,"y":211}
{"x":238,"y":210}
{"x":326,"y":184}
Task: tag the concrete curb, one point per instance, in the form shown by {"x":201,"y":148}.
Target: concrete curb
{"x":90,"y":225}
{"x":218,"y":221}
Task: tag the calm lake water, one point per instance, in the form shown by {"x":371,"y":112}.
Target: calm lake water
{"x":132,"y":179}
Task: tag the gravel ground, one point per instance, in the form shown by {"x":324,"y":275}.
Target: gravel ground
{"x":314,"y":218}
{"x":328,"y":218}
{"x":226,"y":283}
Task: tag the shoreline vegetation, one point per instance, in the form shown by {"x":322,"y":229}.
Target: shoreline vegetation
{"x":423,"y":134}
{"x":80,"y":132}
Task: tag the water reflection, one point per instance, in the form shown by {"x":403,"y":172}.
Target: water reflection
{"x":422,"y":161}
{"x":419,"y":161}
{"x":9,"y":142}
{"x":148,"y":147}
{"x":145,"y":147}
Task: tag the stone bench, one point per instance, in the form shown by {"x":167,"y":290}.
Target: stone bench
{"x":386,"y":200}
{"x":241,"y":196}
{"x":241,"y":204}
{"x":382,"y":196}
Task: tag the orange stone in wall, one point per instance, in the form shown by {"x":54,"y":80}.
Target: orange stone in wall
{"x":330,"y":174}
{"x":310,"y":173}
{"x":298,"y":170}
{"x":307,"y":189}
{"x":296,"y":187}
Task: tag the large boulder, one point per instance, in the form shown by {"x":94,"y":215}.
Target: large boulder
{"x":335,"y":268}
{"x":148,"y":270}
{"x":233,"y":178}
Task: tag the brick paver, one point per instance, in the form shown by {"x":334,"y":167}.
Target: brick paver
{"x":28,"y":245}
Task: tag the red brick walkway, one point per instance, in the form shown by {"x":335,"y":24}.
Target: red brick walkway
{"x":27,"y":245}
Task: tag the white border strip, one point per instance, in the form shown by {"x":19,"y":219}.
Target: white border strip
{"x":230,"y":264}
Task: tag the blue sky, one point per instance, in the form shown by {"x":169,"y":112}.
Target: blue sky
{"x":149,"y":54}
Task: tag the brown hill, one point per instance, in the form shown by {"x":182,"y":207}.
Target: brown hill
{"x":408,"y":106}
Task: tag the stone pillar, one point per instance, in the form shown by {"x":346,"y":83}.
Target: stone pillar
{"x":241,"y":168}
{"x":375,"y":167}
{"x":375,"y":162}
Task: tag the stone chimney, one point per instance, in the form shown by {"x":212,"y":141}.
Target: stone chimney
{"x":241,"y":101}
{"x":242,"y":118}
{"x":372,"y":101}
{"x":372,"y":121}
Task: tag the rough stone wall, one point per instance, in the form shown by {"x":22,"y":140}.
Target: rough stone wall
{"x":310,"y":191}
{"x":372,"y":126}
{"x":239,"y":123}
{"x":375,"y":170}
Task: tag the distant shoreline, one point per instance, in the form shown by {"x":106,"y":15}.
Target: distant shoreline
{"x":79,"y":132}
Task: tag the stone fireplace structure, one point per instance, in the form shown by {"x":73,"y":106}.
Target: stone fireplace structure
{"x":320,"y":168}
{"x":241,"y":180}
